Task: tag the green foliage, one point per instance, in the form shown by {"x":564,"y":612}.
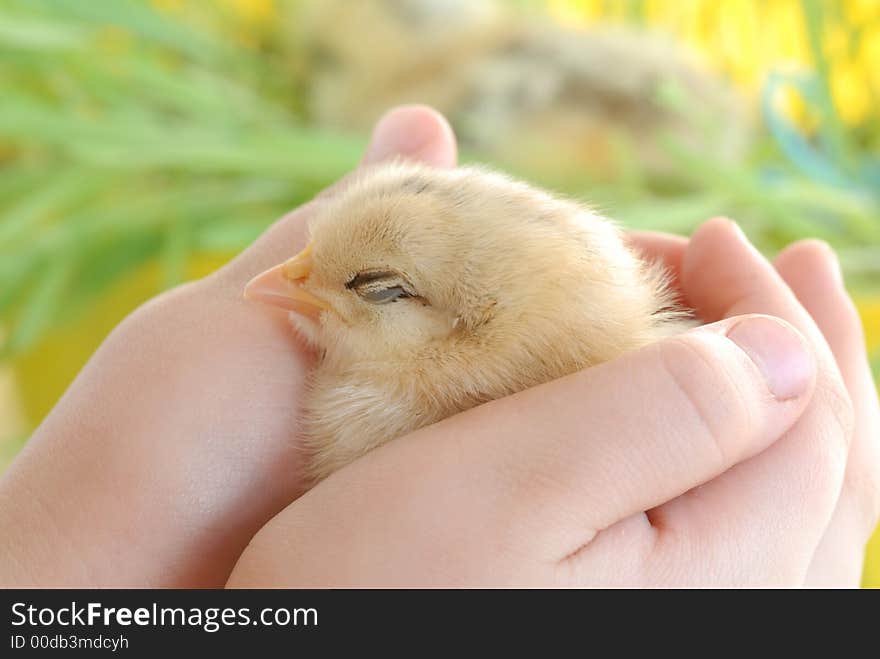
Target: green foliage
{"x":126,"y":136}
{"x":130,"y":135}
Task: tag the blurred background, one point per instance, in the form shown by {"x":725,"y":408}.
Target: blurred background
{"x":145,"y":142}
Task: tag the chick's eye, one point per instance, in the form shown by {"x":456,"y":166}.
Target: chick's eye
{"x":381,"y":286}
{"x":384,"y":295}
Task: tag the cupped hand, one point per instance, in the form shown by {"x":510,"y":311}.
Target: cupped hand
{"x":178,"y":440}
{"x":713,"y":458}
{"x":812,"y":271}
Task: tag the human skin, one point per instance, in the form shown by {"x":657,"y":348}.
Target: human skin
{"x":177,"y":443}
{"x":656,"y":469}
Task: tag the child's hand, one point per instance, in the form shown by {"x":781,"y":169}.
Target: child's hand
{"x":734,"y":438}
{"x":178,"y":440}
{"x":813,"y":273}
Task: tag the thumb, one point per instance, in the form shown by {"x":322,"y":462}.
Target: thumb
{"x":578,"y":454}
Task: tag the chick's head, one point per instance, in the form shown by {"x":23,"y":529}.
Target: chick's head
{"x":383,"y":262}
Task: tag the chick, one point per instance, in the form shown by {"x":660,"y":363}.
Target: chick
{"x":427,"y":292}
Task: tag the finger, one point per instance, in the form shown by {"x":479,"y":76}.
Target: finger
{"x":552,"y":465}
{"x":789,"y":491}
{"x":665,"y":248}
{"x":414,"y":132}
{"x":813,"y":272}
{"x":726,"y":276}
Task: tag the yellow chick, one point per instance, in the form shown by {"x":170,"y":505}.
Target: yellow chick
{"x":428,"y":292}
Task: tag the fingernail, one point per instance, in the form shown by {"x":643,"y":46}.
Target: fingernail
{"x":400,"y":132}
{"x":778,"y":351}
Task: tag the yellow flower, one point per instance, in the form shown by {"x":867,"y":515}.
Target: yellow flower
{"x":871,"y":576}
{"x":790,"y":104}
{"x":869,"y":310}
{"x":836,"y":41}
{"x":254,"y":11}
{"x":738,"y":29}
{"x":785,"y":37}
{"x":699,"y":25}
{"x":849,"y":89}
{"x":860,"y":12}
{"x":869,"y":55}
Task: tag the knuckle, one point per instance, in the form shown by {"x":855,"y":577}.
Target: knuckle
{"x":711,"y":391}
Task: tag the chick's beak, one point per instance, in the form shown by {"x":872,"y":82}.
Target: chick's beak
{"x":281,"y":286}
